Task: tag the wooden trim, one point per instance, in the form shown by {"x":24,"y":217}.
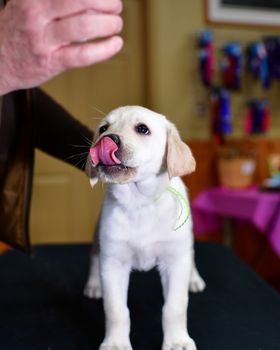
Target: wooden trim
{"x":3,"y":248}
{"x":206,"y":155}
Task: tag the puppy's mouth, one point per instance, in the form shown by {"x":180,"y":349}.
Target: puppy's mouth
{"x":111,"y":168}
{"x":118,"y":173}
{"x":106,"y":158}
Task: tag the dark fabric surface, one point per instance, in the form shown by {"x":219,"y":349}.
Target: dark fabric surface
{"x":42,"y":306}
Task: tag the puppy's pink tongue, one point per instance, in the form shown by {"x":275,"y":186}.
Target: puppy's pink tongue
{"x":104,"y":152}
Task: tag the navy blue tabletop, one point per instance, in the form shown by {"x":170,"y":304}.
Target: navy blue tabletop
{"x":42,"y":306}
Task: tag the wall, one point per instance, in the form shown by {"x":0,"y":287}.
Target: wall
{"x":174,"y":84}
{"x":64,"y":207}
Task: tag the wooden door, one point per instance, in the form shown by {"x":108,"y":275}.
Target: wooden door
{"x":64,"y":207}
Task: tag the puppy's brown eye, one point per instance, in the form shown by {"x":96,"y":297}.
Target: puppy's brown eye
{"x":142,"y":129}
{"x":103,"y":128}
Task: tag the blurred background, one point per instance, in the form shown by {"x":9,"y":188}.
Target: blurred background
{"x":211,"y":66}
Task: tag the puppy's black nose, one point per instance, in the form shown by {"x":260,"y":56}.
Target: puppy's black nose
{"x":115,"y":138}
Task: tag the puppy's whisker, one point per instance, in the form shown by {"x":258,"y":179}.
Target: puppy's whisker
{"x":95,"y":118}
{"x":87,"y":140}
{"x":80,"y":157}
{"x":99,"y":110}
{"x":79,"y":162}
{"x":84,"y":164}
{"x":80,"y":146}
{"x":77,"y":155}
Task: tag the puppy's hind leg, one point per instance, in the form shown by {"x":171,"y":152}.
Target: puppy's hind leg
{"x":93,"y":285}
{"x":197,"y":283}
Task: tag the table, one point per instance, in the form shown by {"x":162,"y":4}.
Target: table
{"x":260,"y":208}
{"x":42,"y":305}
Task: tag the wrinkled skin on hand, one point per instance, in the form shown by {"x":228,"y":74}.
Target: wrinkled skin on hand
{"x":40,"y":39}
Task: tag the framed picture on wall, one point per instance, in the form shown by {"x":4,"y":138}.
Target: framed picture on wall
{"x":244,"y":12}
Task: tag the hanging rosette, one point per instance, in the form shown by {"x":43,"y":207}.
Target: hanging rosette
{"x":257,"y":116}
{"x":206,"y":57}
{"x":258,"y":63}
{"x":220,"y":114}
{"x":231,"y":66}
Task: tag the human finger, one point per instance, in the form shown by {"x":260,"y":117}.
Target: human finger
{"x":82,"y":27}
{"x":64,"y":8}
{"x":81,"y":55}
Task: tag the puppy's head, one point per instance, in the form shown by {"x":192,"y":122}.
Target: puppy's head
{"x":133,"y":143}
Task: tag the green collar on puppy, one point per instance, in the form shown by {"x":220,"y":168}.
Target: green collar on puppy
{"x":184,"y":205}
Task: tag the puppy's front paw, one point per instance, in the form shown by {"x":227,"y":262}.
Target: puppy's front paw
{"x":115,"y":345}
{"x":93,"y":289}
{"x":179,"y":344}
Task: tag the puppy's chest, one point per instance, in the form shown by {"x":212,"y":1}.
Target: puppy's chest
{"x":144,"y":257}
{"x":150,"y":222}
{"x":143,"y":234}
{"x":141,"y":224}
{"x":148,"y":233}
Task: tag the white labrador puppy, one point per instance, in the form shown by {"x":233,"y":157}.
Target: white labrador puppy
{"x":145,"y":221}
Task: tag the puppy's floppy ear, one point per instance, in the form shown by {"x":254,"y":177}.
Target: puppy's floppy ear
{"x":91,"y":172}
{"x":180,"y":160}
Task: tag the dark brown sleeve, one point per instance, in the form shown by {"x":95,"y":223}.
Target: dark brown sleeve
{"x":58,"y":133}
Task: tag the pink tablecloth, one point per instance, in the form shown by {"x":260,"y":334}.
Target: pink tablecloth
{"x":262,"y":209}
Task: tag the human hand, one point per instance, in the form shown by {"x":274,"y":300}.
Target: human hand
{"x":40,"y":39}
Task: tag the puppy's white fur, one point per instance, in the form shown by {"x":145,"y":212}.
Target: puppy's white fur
{"x":137,"y":225}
